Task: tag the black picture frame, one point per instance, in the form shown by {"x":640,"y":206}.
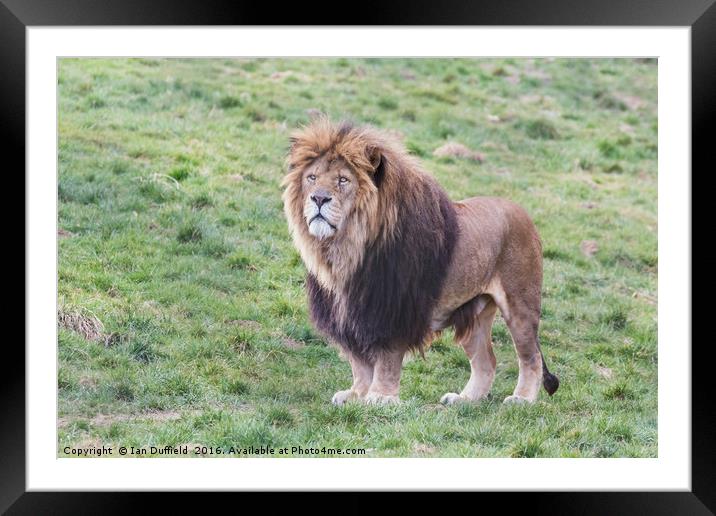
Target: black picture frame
{"x":700,"y":15}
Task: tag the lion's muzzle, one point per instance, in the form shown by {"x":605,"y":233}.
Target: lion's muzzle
{"x":320,"y":212}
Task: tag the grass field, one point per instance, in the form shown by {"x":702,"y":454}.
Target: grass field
{"x":182,"y":314}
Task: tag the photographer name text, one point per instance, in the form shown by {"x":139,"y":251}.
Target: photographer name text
{"x":147,"y":451}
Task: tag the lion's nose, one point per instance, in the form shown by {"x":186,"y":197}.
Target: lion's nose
{"x":320,"y":200}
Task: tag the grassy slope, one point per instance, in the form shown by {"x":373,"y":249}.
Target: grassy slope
{"x":169,"y":177}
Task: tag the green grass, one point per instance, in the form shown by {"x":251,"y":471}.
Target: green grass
{"x":175,"y":240}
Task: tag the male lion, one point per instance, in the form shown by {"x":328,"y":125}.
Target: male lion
{"x":391,"y":261}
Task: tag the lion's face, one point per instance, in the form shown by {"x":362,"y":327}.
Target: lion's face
{"x":334,"y":197}
{"x":329,"y":190}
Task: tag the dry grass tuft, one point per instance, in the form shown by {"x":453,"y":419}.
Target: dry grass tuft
{"x":81,"y":322}
{"x":458,"y":150}
{"x":589,"y":248}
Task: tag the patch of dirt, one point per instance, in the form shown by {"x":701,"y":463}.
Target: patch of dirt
{"x":88,"y":382}
{"x":633,"y":102}
{"x":250,"y":325}
{"x":494,"y":119}
{"x":292,"y":343}
{"x":589,"y":248}
{"x":281,"y":75}
{"x":161,"y":415}
{"x":396,"y":134}
{"x":114,"y":339}
{"x":82,"y":323}
{"x":458,"y":150}
{"x":407,"y":75}
{"x":236,"y":177}
{"x":108,"y":419}
{"x":537,"y":73}
{"x":279,"y":126}
{"x":495,"y":145}
{"x":284,"y":74}
{"x":530,"y":99}
{"x":588,"y":205}
{"x":227,"y":70}
{"x":90,"y":442}
{"x":158,"y":416}
{"x":152,"y":307}
{"x":584,"y":178}
{"x":646,"y":297}
{"x":314,"y":113}
{"x":63,"y":233}
{"x":424,"y":449}
{"x":605,"y":372}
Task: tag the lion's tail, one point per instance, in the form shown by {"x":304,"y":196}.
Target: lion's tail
{"x":549,"y":381}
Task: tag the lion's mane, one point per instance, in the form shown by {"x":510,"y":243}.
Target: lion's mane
{"x":375,"y":284}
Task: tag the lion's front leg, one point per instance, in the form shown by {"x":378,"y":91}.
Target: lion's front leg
{"x":362,"y":379}
{"x":386,"y":378}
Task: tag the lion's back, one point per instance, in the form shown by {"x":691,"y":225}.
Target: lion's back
{"x":501,"y":217}
{"x":494,"y":233}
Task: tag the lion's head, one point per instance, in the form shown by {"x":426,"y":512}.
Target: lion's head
{"x":329,"y":187}
{"x":338,"y":196}
{"x":375,"y":231}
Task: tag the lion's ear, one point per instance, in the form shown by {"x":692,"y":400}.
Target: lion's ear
{"x":377,"y":161}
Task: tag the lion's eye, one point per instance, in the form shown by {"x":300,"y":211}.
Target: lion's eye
{"x":342,"y":180}
{"x":311,"y":177}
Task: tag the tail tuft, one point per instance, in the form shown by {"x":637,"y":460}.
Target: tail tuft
{"x":550,"y":382}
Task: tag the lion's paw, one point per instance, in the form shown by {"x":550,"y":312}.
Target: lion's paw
{"x":451,"y":398}
{"x":341,"y":397}
{"x":375,"y":398}
{"x":516,"y":400}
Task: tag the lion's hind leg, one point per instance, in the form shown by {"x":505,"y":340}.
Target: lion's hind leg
{"x":474,"y":333}
{"x":522,"y":319}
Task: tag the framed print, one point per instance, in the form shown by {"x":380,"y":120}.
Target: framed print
{"x":359,"y":257}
